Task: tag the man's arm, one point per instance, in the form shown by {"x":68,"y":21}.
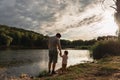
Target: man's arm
{"x":59,"y":47}
{"x":48,"y":43}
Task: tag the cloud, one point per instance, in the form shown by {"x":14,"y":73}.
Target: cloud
{"x":51,"y":16}
{"x":72,"y":16}
{"x":34,"y":13}
{"x":27,"y":14}
{"x":7,"y":3}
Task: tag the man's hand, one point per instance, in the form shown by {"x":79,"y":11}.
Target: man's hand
{"x":60,"y":54}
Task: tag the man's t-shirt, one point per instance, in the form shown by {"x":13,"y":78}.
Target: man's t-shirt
{"x":53,"y":43}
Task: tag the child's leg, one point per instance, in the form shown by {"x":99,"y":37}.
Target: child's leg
{"x":63,"y":67}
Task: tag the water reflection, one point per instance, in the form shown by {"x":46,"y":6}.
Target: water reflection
{"x":76,"y":57}
{"x":34,"y":61}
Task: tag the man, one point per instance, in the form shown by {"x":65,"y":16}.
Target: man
{"x":54,"y":45}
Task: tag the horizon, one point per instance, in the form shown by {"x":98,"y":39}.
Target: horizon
{"x":74,"y":19}
{"x":55,"y":34}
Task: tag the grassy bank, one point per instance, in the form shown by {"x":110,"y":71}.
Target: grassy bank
{"x":104,"y":69}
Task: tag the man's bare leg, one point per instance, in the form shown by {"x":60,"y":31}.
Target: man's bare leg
{"x":49,"y":67}
{"x":53,"y":68}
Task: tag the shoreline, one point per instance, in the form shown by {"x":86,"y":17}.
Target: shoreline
{"x":103,"y":69}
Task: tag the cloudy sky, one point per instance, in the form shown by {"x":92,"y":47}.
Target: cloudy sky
{"x":74,"y":19}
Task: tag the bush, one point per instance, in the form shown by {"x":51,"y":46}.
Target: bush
{"x":106,"y":48}
{"x":43,"y":73}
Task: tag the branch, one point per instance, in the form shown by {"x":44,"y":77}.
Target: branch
{"x":103,"y":1}
{"x":113,"y":8}
{"x":114,"y":0}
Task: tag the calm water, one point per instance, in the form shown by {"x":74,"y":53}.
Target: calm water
{"x":32,"y":62}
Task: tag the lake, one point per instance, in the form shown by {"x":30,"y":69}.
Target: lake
{"x":32,"y":62}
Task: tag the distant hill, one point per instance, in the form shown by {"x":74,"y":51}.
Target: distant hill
{"x":11,"y":37}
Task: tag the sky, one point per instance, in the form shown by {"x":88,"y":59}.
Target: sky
{"x":74,"y":19}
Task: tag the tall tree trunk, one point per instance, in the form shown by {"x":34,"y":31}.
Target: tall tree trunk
{"x":117,"y":14}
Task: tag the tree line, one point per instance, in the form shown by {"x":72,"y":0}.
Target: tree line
{"x":20,"y":38}
{"x":78,"y":44}
{"x":11,"y":37}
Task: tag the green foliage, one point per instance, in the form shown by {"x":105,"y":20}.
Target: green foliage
{"x":43,"y":74}
{"x":5,"y":40}
{"x":19,"y":38}
{"x":106,"y":71}
{"x":80,"y":44}
{"x":66,"y":43}
{"x":11,"y":36}
{"x":106,"y":48}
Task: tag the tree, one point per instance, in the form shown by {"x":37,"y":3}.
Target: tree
{"x":5,"y":40}
{"x":117,"y":14}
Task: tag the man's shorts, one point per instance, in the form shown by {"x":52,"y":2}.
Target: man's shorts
{"x":53,"y":56}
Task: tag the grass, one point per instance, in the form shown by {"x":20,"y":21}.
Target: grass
{"x":104,"y":69}
{"x":106,"y":48}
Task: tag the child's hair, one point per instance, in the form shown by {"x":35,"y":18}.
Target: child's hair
{"x":66,"y":52}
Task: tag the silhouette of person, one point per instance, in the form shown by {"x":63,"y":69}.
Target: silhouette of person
{"x":54,"y":46}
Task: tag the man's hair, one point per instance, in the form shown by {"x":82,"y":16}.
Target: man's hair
{"x":58,"y":35}
{"x":66,"y":52}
